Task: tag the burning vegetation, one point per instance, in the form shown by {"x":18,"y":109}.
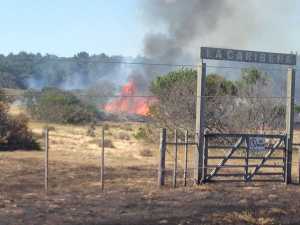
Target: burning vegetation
{"x":129,"y":102}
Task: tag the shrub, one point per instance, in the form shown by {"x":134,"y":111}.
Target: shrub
{"x":91,"y":130}
{"x":14,"y":133}
{"x":107,"y":143}
{"x":141,"y":133}
{"x":54,"y":105}
{"x":123,"y":136}
{"x":147,"y":133}
{"x":106,"y":126}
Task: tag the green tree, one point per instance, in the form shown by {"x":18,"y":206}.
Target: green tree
{"x":258,"y":111}
{"x":176,"y":94}
{"x":55,"y":105}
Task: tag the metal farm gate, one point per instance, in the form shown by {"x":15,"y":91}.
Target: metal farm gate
{"x":239,"y":157}
{"x":228,"y":157}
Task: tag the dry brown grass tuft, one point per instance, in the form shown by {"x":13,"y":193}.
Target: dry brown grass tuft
{"x":246,"y":217}
{"x":123,"y":136}
{"x":146,"y":152}
{"x":127,"y":127}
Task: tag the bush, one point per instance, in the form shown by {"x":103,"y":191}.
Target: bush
{"x":141,"y":133}
{"x":14,"y":133}
{"x":106,"y":126}
{"x":91,"y":132}
{"x":107,"y":143}
{"x":147,"y":133}
{"x":123,"y":136}
{"x":57,"y":106}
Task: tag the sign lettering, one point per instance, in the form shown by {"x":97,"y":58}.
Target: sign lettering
{"x":248,"y":56}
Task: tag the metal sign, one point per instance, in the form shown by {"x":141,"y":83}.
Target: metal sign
{"x":248,"y":56}
{"x":257,"y":143}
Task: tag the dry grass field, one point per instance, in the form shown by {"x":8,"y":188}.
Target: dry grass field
{"x":131,"y":195}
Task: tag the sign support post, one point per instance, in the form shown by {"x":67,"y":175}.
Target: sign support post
{"x":200,"y":122}
{"x":290,"y":123}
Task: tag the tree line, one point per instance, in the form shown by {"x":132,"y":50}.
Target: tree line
{"x":27,"y":70}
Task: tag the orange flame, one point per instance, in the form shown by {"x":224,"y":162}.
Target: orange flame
{"x":128,"y":102}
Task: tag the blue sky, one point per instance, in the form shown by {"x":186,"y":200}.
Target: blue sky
{"x":65,"y":27}
{"x":115,"y":27}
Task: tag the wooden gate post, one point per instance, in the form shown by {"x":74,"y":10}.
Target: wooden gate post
{"x":186,"y":141}
{"x":102,"y":161}
{"x":204,"y":158}
{"x":200,"y":122}
{"x":46,"y":143}
{"x":290,"y":123}
{"x":175,"y":159}
{"x":162,"y":157}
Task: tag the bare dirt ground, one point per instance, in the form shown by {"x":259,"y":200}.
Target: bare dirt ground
{"x":131,"y":195}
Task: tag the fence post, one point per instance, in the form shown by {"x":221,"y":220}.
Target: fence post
{"x":46,"y":165}
{"x":200,"y":122}
{"x":162,"y":157}
{"x":186,"y":140}
{"x":290,"y":123}
{"x":175,"y":159}
{"x":102,"y":162}
{"x":246,"y":159}
{"x":299,"y":165}
{"x":204,"y":158}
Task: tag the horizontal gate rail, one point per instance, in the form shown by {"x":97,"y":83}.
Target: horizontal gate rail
{"x":241,"y":157}
{"x":269,"y":174}
{"x":269,"y":180}
{"x":243,"y":166}
{"x":256,"y":180}
{"x":248,"y":135}
{"x":242,"y":147}
{"x":181,"y":143}
{"x":230,"y":175}
{"x":242,"y":174}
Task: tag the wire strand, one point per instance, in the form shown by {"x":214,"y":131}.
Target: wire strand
{"x":146,"y":96}
{"x":248,"y":65}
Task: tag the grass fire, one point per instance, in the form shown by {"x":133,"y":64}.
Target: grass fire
{"x":129,"y":102}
